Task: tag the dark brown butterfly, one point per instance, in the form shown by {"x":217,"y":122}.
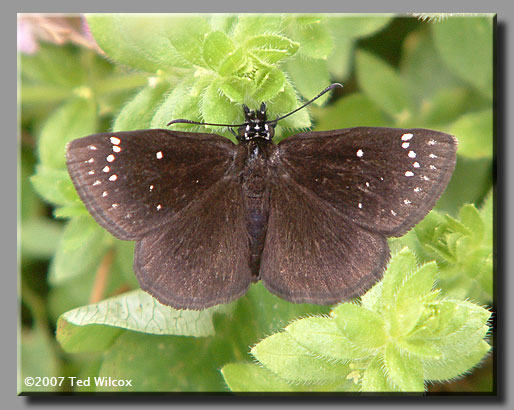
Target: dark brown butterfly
{"x":309,"y":216}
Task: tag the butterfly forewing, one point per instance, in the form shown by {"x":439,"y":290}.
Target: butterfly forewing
{"x":200,"y":257}
{"x":313,"y":252}
{"x":382,"y":179}
{"x":133,"y":182}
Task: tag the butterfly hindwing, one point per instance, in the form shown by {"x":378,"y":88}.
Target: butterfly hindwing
{"x":383,"y":179}
{"x":200,"y":257}
{"x":133,"y":182}
{"x":313,"y":253}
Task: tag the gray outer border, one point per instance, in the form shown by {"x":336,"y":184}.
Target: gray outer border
{"x":504,"y":194}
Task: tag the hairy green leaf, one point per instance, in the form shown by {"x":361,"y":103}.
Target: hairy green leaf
{"x":138,"y":311}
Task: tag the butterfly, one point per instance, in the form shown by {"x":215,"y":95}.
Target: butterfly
{"x":309,"y":217}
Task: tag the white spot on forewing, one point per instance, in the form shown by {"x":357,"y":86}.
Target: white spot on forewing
{"x":411,"y":154}
{"x":424,"y":177}
{"x":405,"y":145}
{"x":113,"y":177}
{"x":114,"y":206}
{"x":159,"y":155}
{"x":106,"y":168}
{"x":360,"y":153}
{"x":92,"y":172}
{"x":409,"y":173}
{"x":367,"y":184}
{"x":433,"y":156}
{"x":407,"y":201}
{"x":90,"y":160}
{"x":406,"y":137}
{"x":416,"y":165}
{"x":104,"y":194}
{"x":92,"y":147}
{"x":417,"y":189}
{"x":433,"y":167}
{"x":97,"y":182}
{"x":110,"y":158}
{"x":360,"y":205}
{"x":151,"y":188}
{"x":159,"y":207}
{"x":431,"y":142}
{"x":115,"y":148}
{"x":115,"y":140}
{"x":393,"y":213}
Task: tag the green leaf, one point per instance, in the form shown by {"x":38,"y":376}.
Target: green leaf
{"x":425,"y":74}
{"x":374,"y":379}
{"x":472,"y":219}
{"x":147,"y":36}
{"x":54,"y":65}
{"x":409,"y":303}
{"x":438,"y":370}
{"x":38,"y":358}
{"x":39,"y":238}
{"x":271,"y":48}
{"x":108,"y":34}
{"x":70,"y":211}
{"x":216,"y":47}
{"x":93,"y":338}
{"x":362,"y":327}
{"x":404,"y":371}
{"x":315,"y":39}
{"x":234,"y":61}
{"x":310,"y":76}
{"x":286,"y":358}
{"x":355,"y":26}
{"x":269,"y":82}
{"x":322,"y":337}
{"x":217,"y":108}
{"x":382,"y":84}
{"x":260,"y":313}
{"x":400,"y":266}
{"x":253,"y":25}
{"x":284,"y":102}
{"x":475,"y":134}
{"x":445,"y":106}
{"x":138,"y":113}
{"x":237,"y":88}
{"x":164,"y":363}
{"x":249,"y":377}
{"x":55,"y":186}
{"x":339,"y":62}
{"x":81,"y":328}
{"x":466,"y":46}
{"x":74,"y":119}
{"x":182,"y":102}
{"x":80,"y":249}
{"x":352,"y":111}
{"x":187,"y":35}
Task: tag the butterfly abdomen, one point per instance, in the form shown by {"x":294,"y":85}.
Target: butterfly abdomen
{"x":255,"y":190}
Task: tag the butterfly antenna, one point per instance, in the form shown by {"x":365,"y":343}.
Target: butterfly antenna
{"x":326,"y":90}
{"x":182,"y":121}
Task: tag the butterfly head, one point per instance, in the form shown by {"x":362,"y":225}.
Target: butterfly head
{"x":256,"y":125}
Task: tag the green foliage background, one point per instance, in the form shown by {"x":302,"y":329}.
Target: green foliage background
{"x":426,"y":322}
